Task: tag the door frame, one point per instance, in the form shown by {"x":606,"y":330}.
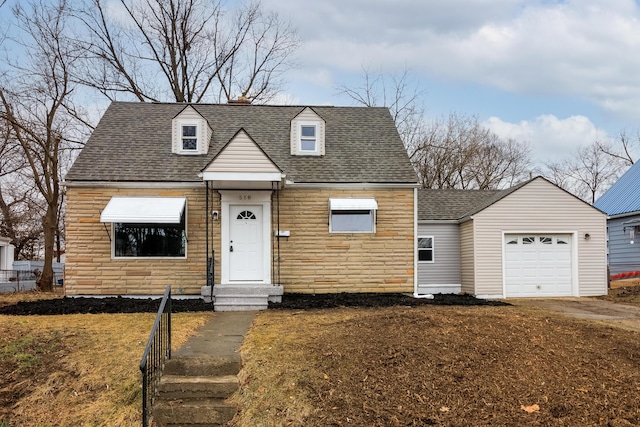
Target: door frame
{"x":230,"y":198}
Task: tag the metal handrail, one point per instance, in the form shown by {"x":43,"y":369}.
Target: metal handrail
{"x":158,"y":350}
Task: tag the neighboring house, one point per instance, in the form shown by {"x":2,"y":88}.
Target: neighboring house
{"x":531,"y":240}
{"x":621,"y":202}
{"x":6,"y":253}
{"x":255,"y":200}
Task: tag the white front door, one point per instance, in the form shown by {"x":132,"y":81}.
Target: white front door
{"x":245,"y":243}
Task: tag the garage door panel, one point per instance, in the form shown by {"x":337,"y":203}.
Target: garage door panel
{"x":537,"y":265}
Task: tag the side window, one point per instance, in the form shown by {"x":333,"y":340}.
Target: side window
{"x":425,"y":249}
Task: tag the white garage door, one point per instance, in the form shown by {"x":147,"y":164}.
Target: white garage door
{"x":537,"y":265}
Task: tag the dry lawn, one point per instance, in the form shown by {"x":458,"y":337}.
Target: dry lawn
{"x":435,"y":365}
{"x":76,"y":369}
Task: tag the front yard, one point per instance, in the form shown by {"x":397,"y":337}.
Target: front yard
{"x":79,"y":369}
{"x":434,"y":365}
{"x":385,"y":366}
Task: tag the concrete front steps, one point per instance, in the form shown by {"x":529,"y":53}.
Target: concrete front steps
{"x":189,"y":399}
{"x":242,"y":297}
{"x":202,"y":374}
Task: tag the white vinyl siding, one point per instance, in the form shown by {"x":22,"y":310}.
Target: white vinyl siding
{"x":539,"y":207}
{"x":242,"y":155}
{"x":444,"y":271}
{"x":467,"y":259}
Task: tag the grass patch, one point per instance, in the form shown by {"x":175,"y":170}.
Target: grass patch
{"x":77,"y":369}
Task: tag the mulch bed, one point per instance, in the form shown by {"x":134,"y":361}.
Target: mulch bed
{"x":82,"y":305}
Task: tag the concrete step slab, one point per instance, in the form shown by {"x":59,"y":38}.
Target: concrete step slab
{"x":180,"y":387}
{"x":193,"y":412}
{"x":203,"y":366}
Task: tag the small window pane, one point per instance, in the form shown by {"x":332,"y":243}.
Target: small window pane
{"x":189,"y":144}
{"x":425,"y":242}
{"x":188,"y":130}
{"x":528,"y":240}
{"x":352,"y":221}
{"x":308,"y":131}
{"x":246,"y":215}
{"x":308,"y":144}
{"x":562,"y":241}
{"x":513,"y":241}
{"x":546,"y":240}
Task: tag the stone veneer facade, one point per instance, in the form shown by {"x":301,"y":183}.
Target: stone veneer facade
{"x":312,"y":260}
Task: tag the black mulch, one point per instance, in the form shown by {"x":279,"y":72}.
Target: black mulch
{"x":310,"y":301}
{"x":83,"y":305}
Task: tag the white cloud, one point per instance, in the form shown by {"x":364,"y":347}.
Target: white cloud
{"x":585,"y":49}
{"x":550,"y":138}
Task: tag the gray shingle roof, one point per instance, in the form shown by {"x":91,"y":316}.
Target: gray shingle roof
{"x":132,"y":142}
{"x":450,"y":204}
{"x":456,"y":205}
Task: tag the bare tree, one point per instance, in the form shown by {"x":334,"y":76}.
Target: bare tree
{"x":183,"y":50}
{"x":629,"y":142}
{"x":37,"y":108}
{"x":589,"y":172}
{"x":399,"y":93}
{"x":460,"y":153}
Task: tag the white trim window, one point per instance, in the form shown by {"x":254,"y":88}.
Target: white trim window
{"x":189,"y":137}
{"x":308,"y":138}
{"x":426,"y":249}
{"x":352,"y":215}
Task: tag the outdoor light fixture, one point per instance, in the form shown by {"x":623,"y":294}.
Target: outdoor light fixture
{"x":587,"y":236}
{"x":214,"y":215}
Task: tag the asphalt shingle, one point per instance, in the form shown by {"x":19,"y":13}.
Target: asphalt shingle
{"x":132,"y":142}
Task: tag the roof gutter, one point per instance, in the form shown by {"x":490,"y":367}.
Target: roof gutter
{"x":132,"y":184}
{"x":350,"y":185}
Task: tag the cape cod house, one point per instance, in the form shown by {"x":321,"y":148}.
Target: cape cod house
{"x":622,"y":203}
{"x":240,"y":202}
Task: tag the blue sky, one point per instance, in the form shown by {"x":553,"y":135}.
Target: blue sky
{"x":557,"y":74}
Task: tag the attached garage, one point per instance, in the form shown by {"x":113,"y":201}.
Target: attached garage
{"x":538,"y":265}
{"x":531,"y":240}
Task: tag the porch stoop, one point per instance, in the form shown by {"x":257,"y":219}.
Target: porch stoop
{"x":245,"y":297}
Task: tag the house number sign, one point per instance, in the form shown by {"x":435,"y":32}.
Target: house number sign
{"x":244,"y":197}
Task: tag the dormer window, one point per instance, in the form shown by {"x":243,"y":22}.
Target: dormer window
{"x":307,"y":134}
{"x":189,"y":137}
{"x":191,"y":133}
